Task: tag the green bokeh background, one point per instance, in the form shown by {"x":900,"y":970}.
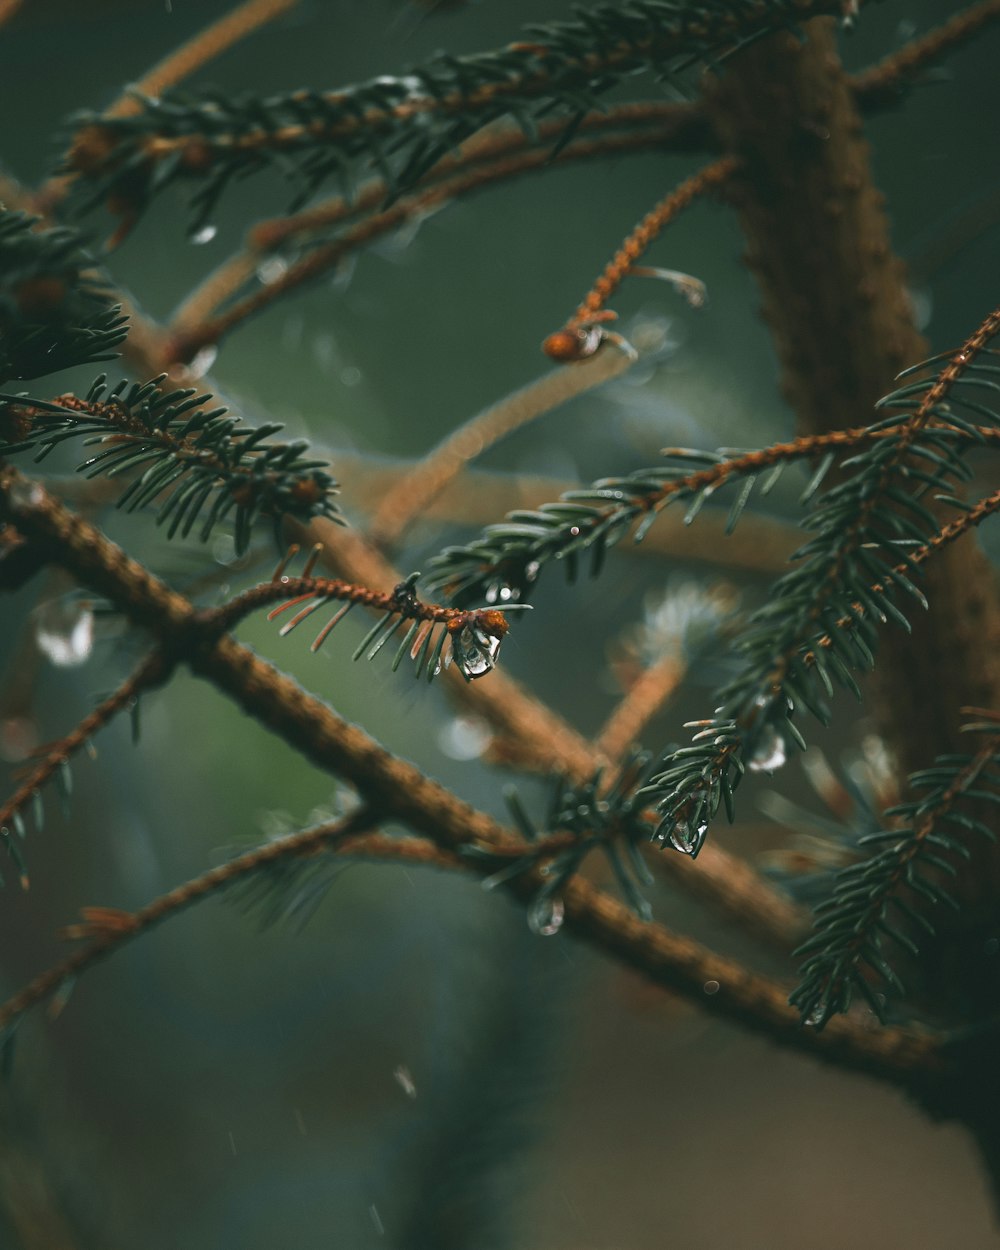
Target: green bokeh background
{"x":220,"y":1087}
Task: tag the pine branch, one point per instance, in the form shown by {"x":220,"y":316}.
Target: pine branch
{"x":871,"y":898}
{"x":512,"y":554}
{"x":403,"y":126}
{"x":53,"y":313}
{"x":192,"y":457}
{"x":154,"y":670}
{"x":527,"y":727}
{"x":859,"y":527}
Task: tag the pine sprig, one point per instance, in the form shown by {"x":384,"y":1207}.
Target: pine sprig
{"x":901,"y":880}
{"x":506,"y":559}
{"x":198,"y":465}
{"x":820,"y":623}
{"x":433,"y":637}
{"x":400,"y":127}
{"x":581,"y":818}
{"x":53,"y":312}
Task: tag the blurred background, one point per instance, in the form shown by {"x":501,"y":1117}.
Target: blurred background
{"x":414,"y":1069}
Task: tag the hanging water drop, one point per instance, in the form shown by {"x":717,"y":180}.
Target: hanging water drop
{"x":769,"y":753}
{"x":475,"y":651}
{"x":545,"y":916}
{"x":464,"y":737}
{"x":205,"y":235}
{"x":64,"y":631}
{"x":686,"y":840}
{"x":816,"y":1017}
{"x":271,"y":270}
{"x":24,"y":493}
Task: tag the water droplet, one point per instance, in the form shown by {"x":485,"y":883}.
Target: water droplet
{"x":351,"y":375}
{"x":464,"y":737}
{"x":769,"y":753}
{"x":711,"y":987}
{"x":815,"y":1017}
{"x":224,"y":549}
{"x":404,"y":1078}
{"x":25,"y":493}
{"x":500,"y":592}
{"x":202,"y":361}
{"x":475,"y":651}
{"x":271,"y":270}
{"x":205,"y":235}
{"x":686,"y":840}
{"x":64,"y":631}
{"x":545,"y":916}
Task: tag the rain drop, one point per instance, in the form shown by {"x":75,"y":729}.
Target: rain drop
{"x":25,"y":493}
{"x":815,"y":1017}
{"x":464,"y":737}
{"x":686,"y":840}
{"x":711,"y":987}
{"x":475,"y":652}
{"x":271,"y":270}
{"x":64,"y":631}
{"x":545,"y":916}
{"x":404,"y":1079}
{"x":205,"y":235}
{"x":769,"y":753}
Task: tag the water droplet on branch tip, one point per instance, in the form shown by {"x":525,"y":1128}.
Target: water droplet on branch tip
{"x":545,"y":917}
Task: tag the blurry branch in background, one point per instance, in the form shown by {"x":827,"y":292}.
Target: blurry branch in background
{"x":424,"y":482}
{"x":197,"y":324}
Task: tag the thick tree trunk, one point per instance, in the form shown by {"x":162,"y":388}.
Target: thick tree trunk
{"x":835,"y":298}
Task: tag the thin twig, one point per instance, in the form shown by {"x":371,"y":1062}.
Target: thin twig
{"x":883,"y":83}
{"x":430,"y":476}
{"x":577,"y":338}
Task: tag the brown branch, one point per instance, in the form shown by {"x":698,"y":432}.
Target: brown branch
{"x":8,"y":8}
{"x":191,"y":338}
{"x":667,"y":958}
{"x":429,"y":476}
{"x":579,"y":336}
{"x":152,"y":671}
{"x":882,"y":84}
